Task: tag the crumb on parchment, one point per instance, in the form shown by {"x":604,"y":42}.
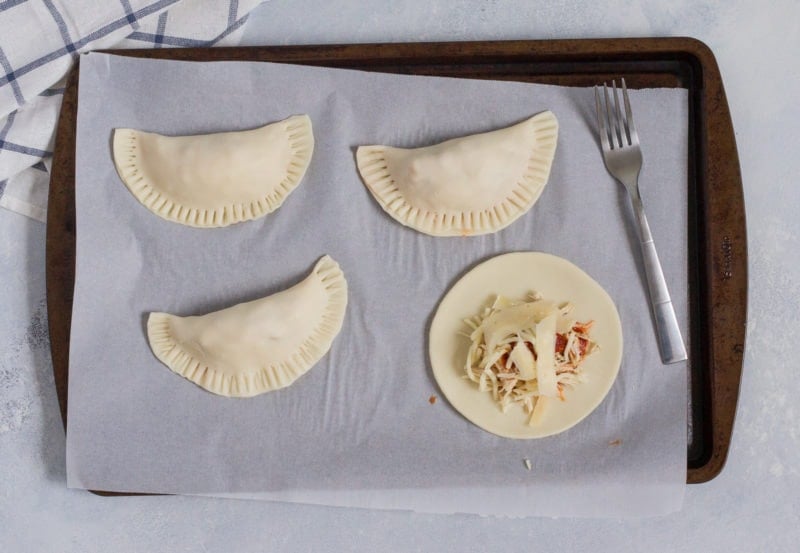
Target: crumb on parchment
{"x":615,"y":442}
{"x":432,"y":400}
{"x":527,"y":464}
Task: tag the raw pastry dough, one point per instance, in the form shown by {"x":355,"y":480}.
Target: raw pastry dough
{"x":214,"y":180}
{"x":514,"y":275}
{"x":476,"y":184}
{"x":257,"y":346}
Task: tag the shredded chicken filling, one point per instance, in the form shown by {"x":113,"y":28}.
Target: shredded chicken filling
{"x":506,"y":356}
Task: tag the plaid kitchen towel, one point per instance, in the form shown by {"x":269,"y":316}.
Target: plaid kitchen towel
{"x":39,"y":40}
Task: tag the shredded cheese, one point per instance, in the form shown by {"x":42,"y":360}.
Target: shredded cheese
{"x":546,"y":362}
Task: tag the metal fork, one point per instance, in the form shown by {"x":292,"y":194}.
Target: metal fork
{"x":623,"y":158}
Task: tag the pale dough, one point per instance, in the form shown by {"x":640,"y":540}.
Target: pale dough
{"x":515,"y":275}
{"x":214,"y":180}
{"x":258,"y":346}
{"x":475,"y":184}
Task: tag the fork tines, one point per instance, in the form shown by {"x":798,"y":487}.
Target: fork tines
{"x":616,"y":131}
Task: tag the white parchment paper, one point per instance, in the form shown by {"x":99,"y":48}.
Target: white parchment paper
{"x":358,"y":428}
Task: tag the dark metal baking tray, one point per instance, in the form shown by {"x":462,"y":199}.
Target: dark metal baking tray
{"x":717,"y":246}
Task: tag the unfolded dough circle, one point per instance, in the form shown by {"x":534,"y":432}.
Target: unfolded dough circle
{"x":515,"y":275}
{"x":476,"y":184}
{"x":215,"y":180}
{"x":257,"y":346}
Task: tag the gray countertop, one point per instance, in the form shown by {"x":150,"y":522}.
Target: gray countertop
{"x":751,"y":506}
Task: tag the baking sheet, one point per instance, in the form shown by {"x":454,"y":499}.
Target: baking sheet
{"x":358,"y":428}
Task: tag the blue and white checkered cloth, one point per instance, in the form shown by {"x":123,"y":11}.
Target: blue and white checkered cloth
{"x":40,"y":39}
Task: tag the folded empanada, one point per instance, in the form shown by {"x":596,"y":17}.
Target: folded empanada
{"x":258,"y":346}
{"x":214,"y":180}
{"x":476,"y":184}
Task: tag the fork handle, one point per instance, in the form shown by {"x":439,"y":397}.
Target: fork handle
{"x":670,"y":341}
